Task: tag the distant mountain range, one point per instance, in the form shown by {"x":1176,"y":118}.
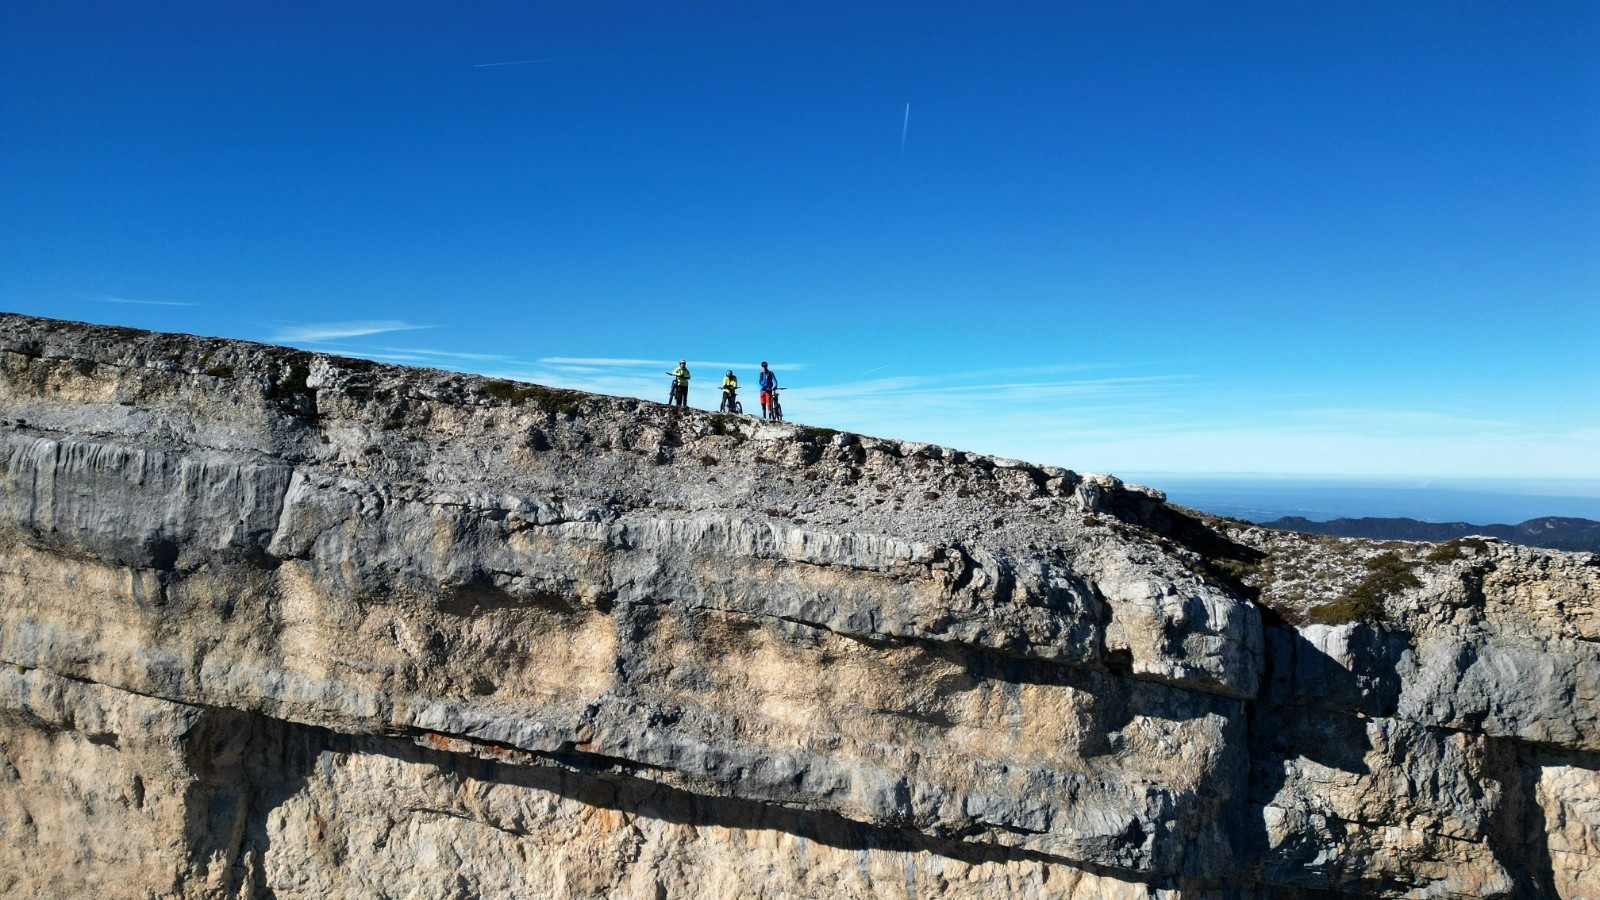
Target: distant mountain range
{"x":1552,"y":532}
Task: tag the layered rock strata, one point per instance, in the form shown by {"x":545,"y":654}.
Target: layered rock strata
{"x":279,"y":624}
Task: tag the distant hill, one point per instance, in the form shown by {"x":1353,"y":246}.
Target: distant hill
{"x":1552,"y":532}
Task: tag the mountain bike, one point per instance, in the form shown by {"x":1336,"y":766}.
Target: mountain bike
{"x":730,"y":403}
{"x":774,"y":408}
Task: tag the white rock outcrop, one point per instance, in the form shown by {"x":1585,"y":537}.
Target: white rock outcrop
{"x":276,"y":624}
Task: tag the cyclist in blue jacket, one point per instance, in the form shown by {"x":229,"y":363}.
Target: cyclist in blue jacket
{"x":768,"y":383}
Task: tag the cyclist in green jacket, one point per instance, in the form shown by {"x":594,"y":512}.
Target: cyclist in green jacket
{"x":730,"y":388}
{"x":679,"y":395}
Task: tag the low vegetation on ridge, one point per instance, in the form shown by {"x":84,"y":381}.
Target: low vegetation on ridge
{"x":1319,"y":579}
{"x":552,"y":400}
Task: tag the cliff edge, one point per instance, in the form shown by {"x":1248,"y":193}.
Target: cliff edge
{"x":282,"y":624}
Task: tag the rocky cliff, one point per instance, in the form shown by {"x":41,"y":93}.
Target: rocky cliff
{"x":279,"y":624}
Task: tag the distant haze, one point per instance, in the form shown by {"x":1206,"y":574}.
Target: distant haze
{"x":1481,"y":502}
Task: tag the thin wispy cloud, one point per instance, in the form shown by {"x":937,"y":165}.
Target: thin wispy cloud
{"x":103,"y":298}
{"x":925,"y":387}
{"x":428,"y":358}
{"x":600,"y":361}
{"x":319,"y":332}
{"x":427,"y":353}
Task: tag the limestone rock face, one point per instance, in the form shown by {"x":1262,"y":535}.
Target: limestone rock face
{"x":277,"y":624}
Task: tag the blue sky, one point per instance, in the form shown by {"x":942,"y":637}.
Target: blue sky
{"x":1352,"y":238}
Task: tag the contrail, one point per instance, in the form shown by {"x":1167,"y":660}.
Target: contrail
{"x":523,"y":62}
{"x":107,"y":299}
{"x":904,"y":127}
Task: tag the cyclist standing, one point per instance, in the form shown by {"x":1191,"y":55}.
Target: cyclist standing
{"x":680,"y":385}
{"x":730,"y":387}
{"x":768,"y":383}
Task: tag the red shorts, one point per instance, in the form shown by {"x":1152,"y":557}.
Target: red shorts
{"x":766,"y":398}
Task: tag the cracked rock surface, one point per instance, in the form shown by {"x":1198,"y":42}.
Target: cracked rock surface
{"x":279,"y":624}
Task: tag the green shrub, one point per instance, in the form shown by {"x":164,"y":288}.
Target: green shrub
{"x":350,"y":364}
{"x":555,"y":400}
{"x":504,"y":390}
{"x":292,"y":392}
{"x":728,"y":425}
{"x":220,"y":371}
{"x":1238,"y":569}
{"x":1387,"y":574}
{"x":552,"y":400}
{"x":1450,"y":550}
{"x":293,"y":384}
